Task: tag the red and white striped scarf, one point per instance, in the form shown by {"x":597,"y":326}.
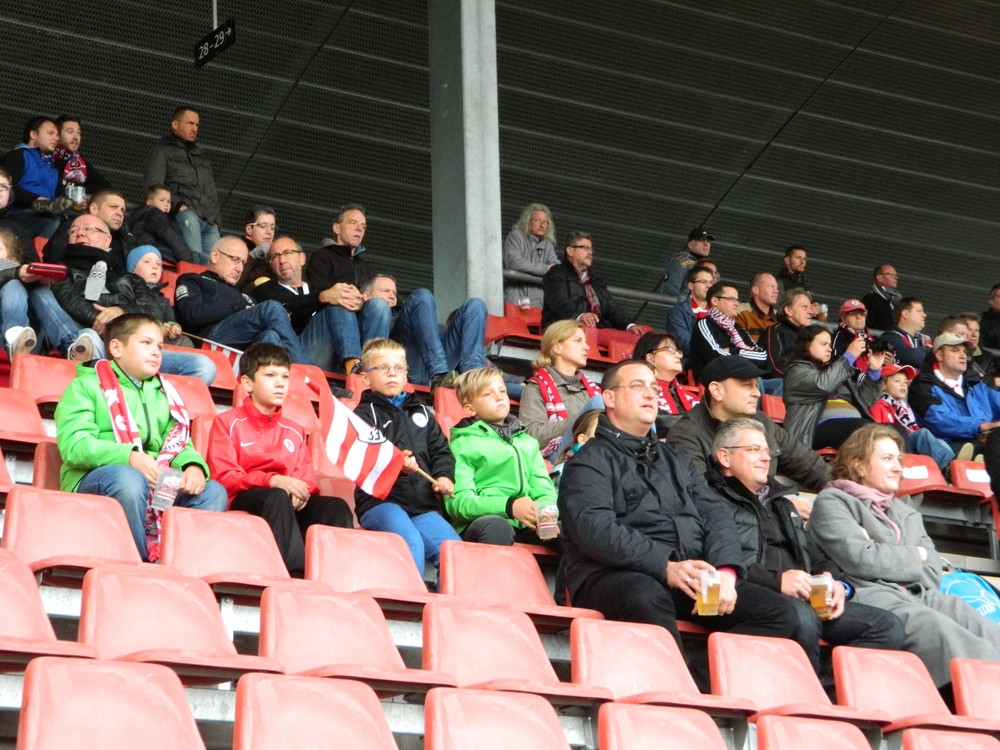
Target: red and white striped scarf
{"x":555,"y":409}
{"x":126,"y":431}
{"x":670,"y":395}
{"x":728,"y":325}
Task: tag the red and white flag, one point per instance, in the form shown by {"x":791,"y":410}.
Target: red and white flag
{"x":361,"y":451}
{"x":233,"y":355}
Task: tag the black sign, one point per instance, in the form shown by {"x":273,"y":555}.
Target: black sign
{"x":219,"y":40}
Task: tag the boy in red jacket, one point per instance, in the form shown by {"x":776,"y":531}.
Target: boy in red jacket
{"x":262,"y":459}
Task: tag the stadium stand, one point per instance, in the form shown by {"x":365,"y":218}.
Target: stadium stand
{"x":490,"y":720}
{"x":975,"y":686}
{"x":627,"y":727}
{"x":793,"y":732}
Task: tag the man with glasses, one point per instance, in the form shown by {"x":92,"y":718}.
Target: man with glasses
{"x":883,"y":298}
{"x":690,"y":309}
{"x":641,"y":526}
{"x":210,"y":306}
{"x":731,"y":391}
{"x":317,"y":325}
{"x":106,"y":205}
{"x":776,"y":551}
{"x":719,"y":335}
{"x":258,"y":233}
{"x":573,"y":293}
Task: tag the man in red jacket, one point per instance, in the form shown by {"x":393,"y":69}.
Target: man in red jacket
{"x":262,"y":458}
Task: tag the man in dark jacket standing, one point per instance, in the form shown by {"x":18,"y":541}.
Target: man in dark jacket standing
{"x":180,"y":164}
{"x":640,"y":525}
{"x":776,"y":551}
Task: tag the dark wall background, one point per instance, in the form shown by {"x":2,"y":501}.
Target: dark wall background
{"x":862,"y":129}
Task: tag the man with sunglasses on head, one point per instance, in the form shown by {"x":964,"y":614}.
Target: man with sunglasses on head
{"x":776,"y":551}
{"x":641,"y":526}
{"x":210,"y":306}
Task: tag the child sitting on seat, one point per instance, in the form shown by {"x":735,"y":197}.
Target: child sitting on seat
{"x":499,"y":471}
{"x":413,"y":506}
{"x":119,"y":425}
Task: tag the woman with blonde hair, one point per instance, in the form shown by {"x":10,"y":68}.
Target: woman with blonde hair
{"x":558,"y":390}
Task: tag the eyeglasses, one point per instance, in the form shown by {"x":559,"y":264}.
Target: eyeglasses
{"x":638,"y":387}
{"x":582,"y":247}
{"x":389,"y":369}
{"x":89,"y":230}
{"x":262,"y":225}
{"x":235,"y":261}
{"x":890,"y":274}
{"x":287,"y":254}
{"x":668,"y":349}
{"x":728,"y":299}
{"x":755,"y":450}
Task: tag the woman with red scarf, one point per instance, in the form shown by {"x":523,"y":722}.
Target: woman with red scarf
{"x":662,"y":352}
{"x":558,"y":390}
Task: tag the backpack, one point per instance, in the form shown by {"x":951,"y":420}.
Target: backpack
{"x":975,"y":591}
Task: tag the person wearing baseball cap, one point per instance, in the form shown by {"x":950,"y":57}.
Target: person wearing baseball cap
{"x":851,"y":326}
{"x":955,"y":409}
{"x":731,"y":391}
{"x":699,"y":245}
{"x":893,"y":408}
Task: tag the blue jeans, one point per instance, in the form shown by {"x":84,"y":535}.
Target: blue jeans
{"x":56,"y":325}
{"x":424,"y":533}
{"x":335,"y":333}
{"x":31,"y":225}
{"x":925,"y":443}
{"x":267,"y":322}
{"x":188,"y":363}
{"x":129,"y":487}
{"x":13,"y":305}
{"x":199,"y":234}
{"x":428,"y":351}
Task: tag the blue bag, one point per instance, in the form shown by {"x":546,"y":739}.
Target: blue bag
{"x":975,"y":591}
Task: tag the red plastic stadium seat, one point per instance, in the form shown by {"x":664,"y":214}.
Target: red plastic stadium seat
{"x":532,"y":317}
{"x":184,"y":266}
{"x":795,"y":733}
{"x":97,"y":705}
{"x":200,"y":406}
{"x":976,"y":685}
{"x":492,"y":575}
{"x":775,"y":675}
{"x":314,"y":631}
{"x":622,"y":726}
{"x":67,"y":531}
{"x":22,"y":424}
{"x":235,"y":553}
{"x":40,"y":243}
{"x":496,"y":649}
{"x":275,"y":712}
{"x":971,"y":476}
{"x":898,"y":684}
{"x":447,"y":410}
{"x":921,"y":476}
{"x":933,"y":739}
{"x":225,"y":378}
{"x":375,"y":563}
{"x":25,"y":630}
{"x":774,"y":407}
{"x":489,"y":720}
{"x":45,"y":378}
{"x":641,"y":663}
{"x":498,"y":328}
{"x":154,"y":616}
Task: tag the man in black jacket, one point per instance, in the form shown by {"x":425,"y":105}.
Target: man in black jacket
{"x":776,"y":551}
{"x":210,"y":306}
{"x":572,"y":293}
{"x":178,"y":162}
{"x":640,"y":525}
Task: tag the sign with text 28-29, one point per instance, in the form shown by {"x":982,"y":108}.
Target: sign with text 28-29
{"x":217,"y":41}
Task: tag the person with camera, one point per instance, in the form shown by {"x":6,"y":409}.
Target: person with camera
{"x":851,"y":326}
{"x":828,"y":397}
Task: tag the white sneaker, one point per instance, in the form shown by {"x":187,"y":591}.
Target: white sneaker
{"x":20,"y":340}
{"x":81,"y":350}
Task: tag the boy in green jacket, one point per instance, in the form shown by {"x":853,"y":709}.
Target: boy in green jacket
{"x":499,"y":471}
{"x":119,"y":425}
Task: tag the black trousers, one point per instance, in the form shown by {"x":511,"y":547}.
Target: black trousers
{"x":289,"y":525}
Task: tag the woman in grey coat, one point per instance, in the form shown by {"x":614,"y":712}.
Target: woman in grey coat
{"x":827,"y":399}
{"x":881,"y":545}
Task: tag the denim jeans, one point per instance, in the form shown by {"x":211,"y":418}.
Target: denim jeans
{"x":188,"y":363}
{"x":13,"y":306}
{"x":424,"y":533}
{"x":924,"y":442}
{"x":56,"y":325}
{"x":131,"y":490}
{"x":31,"y":225}
{"x":267,"y":322}
{"x":335,"y":333}
{"x":199,"y":234}
{"x":428,"y":351}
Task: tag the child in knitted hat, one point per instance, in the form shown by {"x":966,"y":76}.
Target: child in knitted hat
{"x":146,"y":262}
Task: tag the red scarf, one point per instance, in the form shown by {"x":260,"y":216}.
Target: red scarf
{"x":670,"y":395}
{"x":554,"y":406}
{"x":74,"y":168}
{"x":728,"y":325}
{"x":126,"y":431}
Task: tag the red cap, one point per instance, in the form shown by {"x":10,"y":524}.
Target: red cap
{"x":853,"y":305}
{"x":908,"y":370}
